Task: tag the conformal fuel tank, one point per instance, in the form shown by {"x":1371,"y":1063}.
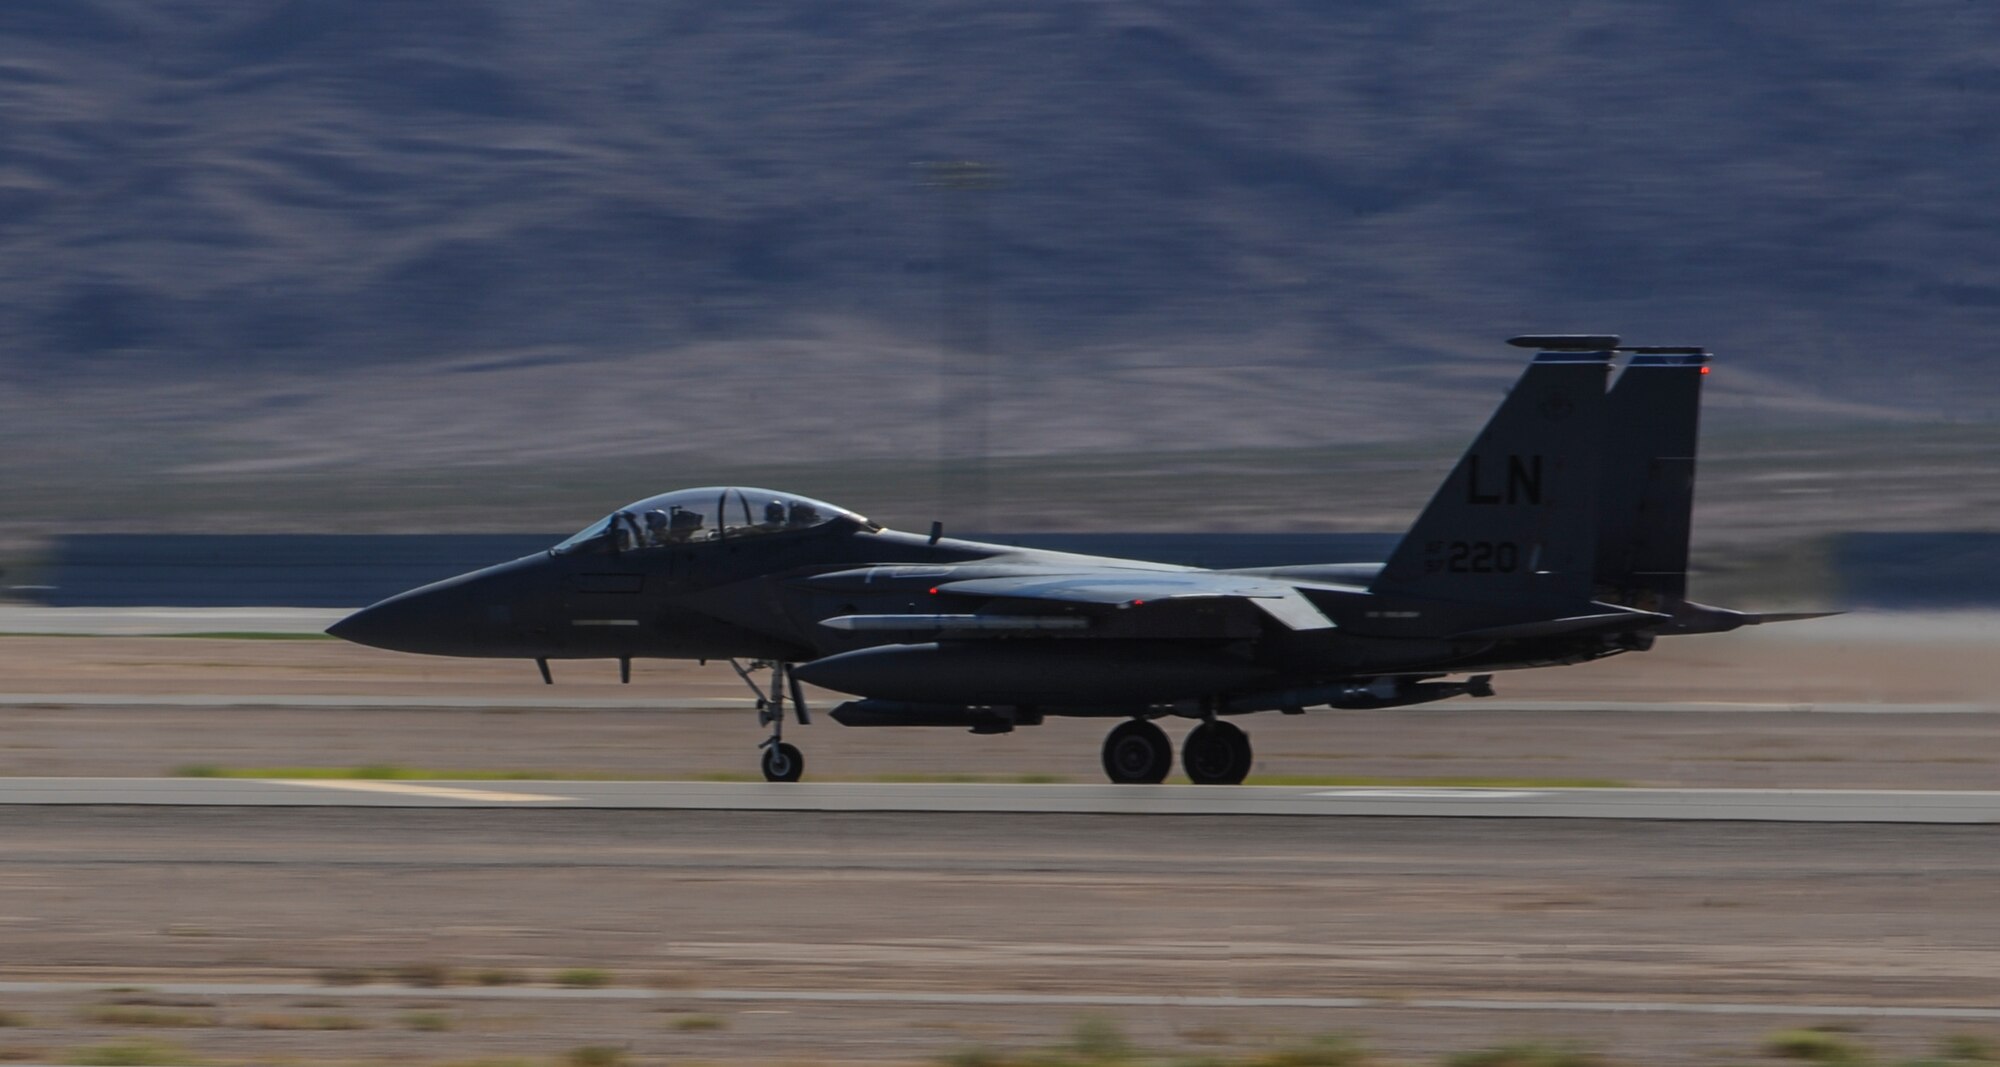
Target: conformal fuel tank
{"x":1031,"y":672}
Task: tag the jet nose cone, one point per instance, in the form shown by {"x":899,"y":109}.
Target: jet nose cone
{"x":498,"y":611}
{"x":385,"y":625}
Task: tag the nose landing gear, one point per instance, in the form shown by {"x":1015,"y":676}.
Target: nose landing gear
{"x":782,"y":761}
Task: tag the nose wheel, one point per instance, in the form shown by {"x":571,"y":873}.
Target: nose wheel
{"x":1138,"y":753}
{"x":781,"y":761}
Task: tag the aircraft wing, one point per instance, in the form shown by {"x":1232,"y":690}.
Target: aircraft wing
{"x":1282,"y":601}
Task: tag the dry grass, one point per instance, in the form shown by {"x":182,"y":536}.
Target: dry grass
{"x":143,"y":1015}
{"x":140,"y":1052}
{"x":424,"y":975}
{"x":427,"y":1022}
{"x":1816,"y":1045}
{"x":1528,"y":1054}
{"x":305,"y":1022}
{"x":583,"y":978}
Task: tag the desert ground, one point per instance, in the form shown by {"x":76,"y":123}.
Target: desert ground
{"x":320,"y":936}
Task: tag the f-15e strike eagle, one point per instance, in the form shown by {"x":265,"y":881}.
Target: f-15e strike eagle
{"x":1560,"y":537}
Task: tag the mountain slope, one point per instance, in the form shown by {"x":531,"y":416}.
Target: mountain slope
{"x":373,"y":230}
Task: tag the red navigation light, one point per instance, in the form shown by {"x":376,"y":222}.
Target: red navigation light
{"x":933,"y":590}
{"x":1704,"y":370}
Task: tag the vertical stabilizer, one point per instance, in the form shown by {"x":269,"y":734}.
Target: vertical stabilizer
{"x":1514,"y":525}
{"x":1646,"y":494}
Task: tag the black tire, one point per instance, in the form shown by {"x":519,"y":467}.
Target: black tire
{"x":783,"y":762}
{"x":1216,"y":753}
{"x":1138,"y":753}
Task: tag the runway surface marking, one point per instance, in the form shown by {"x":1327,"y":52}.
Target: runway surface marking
{"x":442,"y":792}
{"x":1107,"y":1000}
{"x":1903,"y":806}
{"x":1426,"y":793}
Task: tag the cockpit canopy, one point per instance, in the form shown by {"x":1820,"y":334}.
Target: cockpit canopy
{"x":699,"y":516}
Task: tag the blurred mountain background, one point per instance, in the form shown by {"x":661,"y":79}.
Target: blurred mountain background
{"x":500,"y":264}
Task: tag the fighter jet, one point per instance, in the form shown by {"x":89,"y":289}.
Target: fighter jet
{"x":1561,"y":536}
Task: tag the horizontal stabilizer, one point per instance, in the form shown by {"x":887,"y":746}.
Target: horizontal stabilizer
{"x":1693,"y":618}
{"x":1574,"y":624}
{"x":1567,"y":342}
{"x":1760,"y":618}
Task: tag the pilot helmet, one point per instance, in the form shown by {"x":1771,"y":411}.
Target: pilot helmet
{"x":804,"y":514}
{"x":656,"y":519}
{"x":774,"y":511}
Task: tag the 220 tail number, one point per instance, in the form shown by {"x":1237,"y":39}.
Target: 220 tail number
{"x":1483,"y":557}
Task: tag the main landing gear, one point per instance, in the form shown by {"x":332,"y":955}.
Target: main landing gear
{"x":782,"y":761}
{"x":1138,"y":753}
{"x":1216,"y":753}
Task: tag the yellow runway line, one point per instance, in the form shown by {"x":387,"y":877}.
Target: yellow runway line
{"x":410,"y":789}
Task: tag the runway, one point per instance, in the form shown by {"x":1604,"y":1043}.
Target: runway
{"x":1675,"y":805}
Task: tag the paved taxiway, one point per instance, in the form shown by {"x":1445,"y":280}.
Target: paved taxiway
{"x":1699,"y":805}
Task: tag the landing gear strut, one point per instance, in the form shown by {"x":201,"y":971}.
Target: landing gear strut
{"x":1138,"y":752}
{"x":782,"y":761}
{"x":1216,"y":753}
